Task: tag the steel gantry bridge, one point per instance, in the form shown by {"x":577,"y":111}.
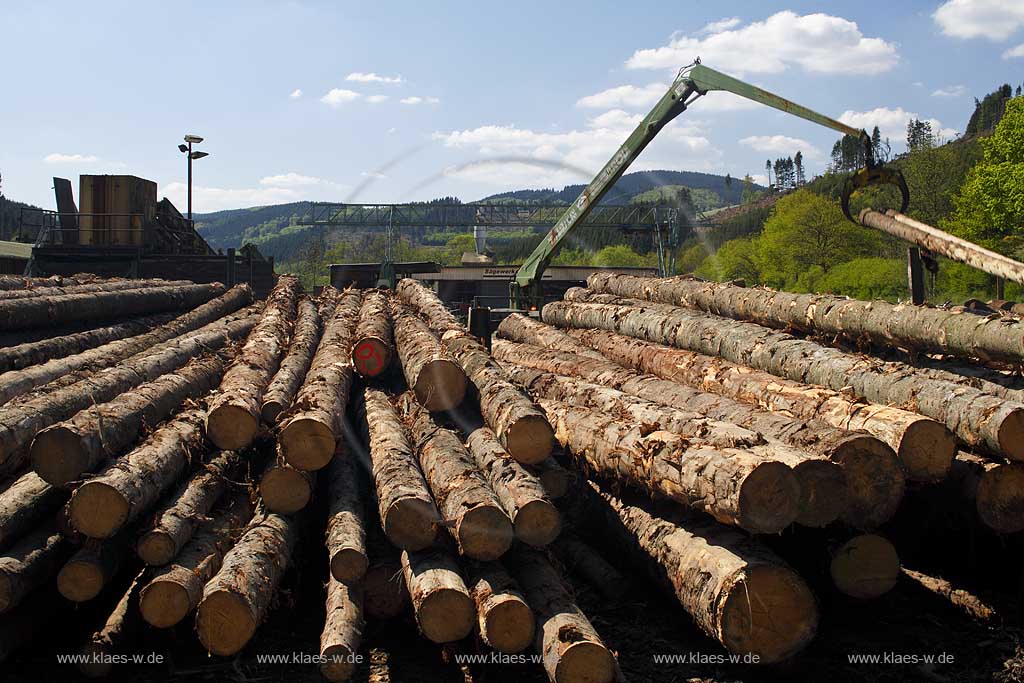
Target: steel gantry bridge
{"x":662,"y":221}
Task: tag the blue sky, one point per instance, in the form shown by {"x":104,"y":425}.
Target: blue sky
{"x":398,"y":101}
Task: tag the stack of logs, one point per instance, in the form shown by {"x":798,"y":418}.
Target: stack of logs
{"x":168,"y":449}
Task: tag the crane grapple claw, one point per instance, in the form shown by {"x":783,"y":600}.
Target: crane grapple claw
{"x":870,"y":176}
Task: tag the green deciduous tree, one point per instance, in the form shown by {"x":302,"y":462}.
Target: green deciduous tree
{"x":990,"y":205}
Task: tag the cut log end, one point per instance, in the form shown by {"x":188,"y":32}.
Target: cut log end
{"x":1000,"y":498}
{"x":508,"y":626}
{"x":446,"y":615}
{"x":80,"y":581}
{"x":58,"y":456}
{"x":1011,"y":435}
{"x":371,"y":356}
{"x":271,"y":410}
{"x":769,"y":612}
{"x":96,"y":662}
{"x":164,"y":603}
{"x":484,"y":533}
{"x":530,"y":439}
{"x":307,"y":444}
{"x":339,"y":663}
{"x":866,"y":566}
{"x":224,"y":623}
{"x":348,"y":565}
{"x":823,"y":494}
{"x":98,"y":510}
{"x":537,"y":523}
{"x":927,"y":450}
{"x":584,"y":662}
{"x":875,"y":481}
{"x":231,"y":427}
{"x":285,"y":490}
{"x":441,"y":385}
{"x":769,"y":499}
{"x":156,"y":548}
{"x":384,"y":591}
{"x":410,"y":524}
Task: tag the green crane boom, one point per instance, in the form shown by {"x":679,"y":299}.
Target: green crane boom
{"x":692,"y":82}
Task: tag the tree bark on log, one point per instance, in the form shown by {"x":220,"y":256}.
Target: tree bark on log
{"x":865,"y":566}
{"x":525,"y":330}
{"x":407,"y":510}
{"x":444,"y":610}
{"x":118,"y":631}
{"x":234,"y":414}
{"x":437,"y":380}
{"x":311,"y":432}
{"x":31,"y":562}
{"x":28,"y":354}
{"x":63,"y":452}
{"x":55,"y":310}
{"x":18,"y":382}
{"x":582,"y":559}
{"x":995,"y":488}
{"x":730,"y":484}
{"x":823,"y":489}
{"x":570,"y":648}
{"x":874,"y":478}
{"x":237,"y":597}
{"x":175,"y":590}
{"x":92,"y":567}
{"x":14,"y":282}
{"x":977,"y":418}
{"x":915,"y":327}
{"x":504,"y":618}
{"x":21,"y":420}
{"x":132,"y":484}
{"x":535,"y":520}
{"x":346,"y":525}
{"x":24,"y":504}
{"x":111,"y":285}
{"x":175,"y":524}
{"x":343,"y":630}
{"x":283,"y":387}
{"x":958,"y":597}
{"x":374,"y":338}
{"x":284,"y":489}
{"x":924,"y":446}
{"x":510,"y":414}
{"x":747,"y":599}
{"x":473,"y":513}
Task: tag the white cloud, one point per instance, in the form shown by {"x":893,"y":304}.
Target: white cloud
{"x":1014,"y":52}
{"x":371,"y":77}
{"x":297,"y":93}
{"x":292,"y":180}
{"x":760,"y":179}
{"x":373,"y":174}
{"x":392,"y":130}
{"x":57,"y":158}
{"x":339,"y":96}
{"x":818,"y":43}
{"x":518,"y":156}
{"x":415,"y":99}
{"x":374,"y":99}
{"x":624,"y":96}
{"x":950,"y":91}
{"x":892,"y":123}
{"x":992,"y":19}
{"x":781,"y":144}
{"x":720,"y":25}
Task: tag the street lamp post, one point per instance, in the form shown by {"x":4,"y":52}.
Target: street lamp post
{"x":187,"y":151}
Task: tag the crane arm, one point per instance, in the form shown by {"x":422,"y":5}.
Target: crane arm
{"x":692,"y":82}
